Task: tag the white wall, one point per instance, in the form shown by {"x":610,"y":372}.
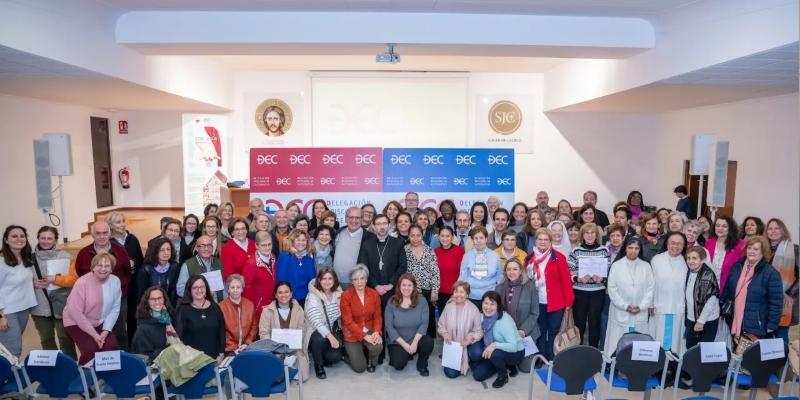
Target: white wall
{"x":152,"y":151}
{"x":27,"y":119}
{"x":763,"y":135}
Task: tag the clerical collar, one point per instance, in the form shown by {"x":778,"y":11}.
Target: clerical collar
{"x":383,"y":239}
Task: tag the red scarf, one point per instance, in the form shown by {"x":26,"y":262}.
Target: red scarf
{"x":534,"y":262}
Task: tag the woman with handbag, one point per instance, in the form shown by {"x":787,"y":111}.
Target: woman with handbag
{"x":755,"y":293}
{"x":630,"y":288}
{"x":324,"y":339}
{"x":49,"y":312}
{"x":548,"y":269}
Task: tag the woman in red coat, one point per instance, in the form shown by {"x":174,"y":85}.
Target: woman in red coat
{"x":549,"y":269}
{"x":259,"y":274}
{"x":237,"y":251}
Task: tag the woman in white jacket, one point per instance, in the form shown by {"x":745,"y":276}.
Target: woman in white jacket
{"x":630,"y":288}
{"x":324,"y":339}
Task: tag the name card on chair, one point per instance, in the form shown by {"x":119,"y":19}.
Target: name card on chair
{"x":713,"y":352}
{"x":645,"y":351}
{"x":107,"y":361}
{"x":42,"y":358}
{"x":771,"y":349}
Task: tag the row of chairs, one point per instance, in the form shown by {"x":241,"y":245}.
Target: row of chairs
{"x":258,"y":373}
{"x":573,"y":372}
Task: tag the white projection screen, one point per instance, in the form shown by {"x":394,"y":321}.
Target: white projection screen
{"x":389,"y":111}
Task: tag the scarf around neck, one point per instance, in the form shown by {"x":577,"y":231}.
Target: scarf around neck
{"x":487,"y":324}
{"x":161,"y":316}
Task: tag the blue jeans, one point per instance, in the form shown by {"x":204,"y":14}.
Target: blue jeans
{"x":498,"y":363}
{"x":783,"y":333}
{"x":549,"y":324}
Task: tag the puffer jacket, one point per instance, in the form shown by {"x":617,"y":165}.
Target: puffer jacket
{"x":764,"y":304}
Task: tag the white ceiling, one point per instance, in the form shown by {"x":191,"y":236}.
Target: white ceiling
{"x":775,"y":67}
{"x":619,"y":8}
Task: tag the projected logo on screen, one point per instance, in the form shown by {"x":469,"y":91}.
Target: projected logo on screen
{"x":273,"y":117}
{"x":505,"y":117}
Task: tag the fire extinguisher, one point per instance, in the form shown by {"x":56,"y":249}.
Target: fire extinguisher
{"x":125,"y":178}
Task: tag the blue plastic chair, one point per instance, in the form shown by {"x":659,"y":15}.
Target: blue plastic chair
{"x":702,"y":374}
{"x":123,"y":383}
{"x":639,"y":376}
{"x":195,"y":388}
{"x":10,"y":381}
{"x":262,"y":372}
{"x":571,"y":372}
{"x":761,"y":373}
{"x":62,"y":380}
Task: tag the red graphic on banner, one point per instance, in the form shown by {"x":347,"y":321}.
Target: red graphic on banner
{"x":321,"y":169}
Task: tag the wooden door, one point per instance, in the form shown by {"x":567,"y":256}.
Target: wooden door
{"x":692,"y":182}
{"x":101,"y":156}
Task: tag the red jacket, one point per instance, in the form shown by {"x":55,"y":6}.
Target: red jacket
{"x":83,"y":263}
{"x":558,"y":281}
{"x":357,"y":316}
{"x":449,"y":266}
{"x":234,"y":258}
{"x":259,"y":284}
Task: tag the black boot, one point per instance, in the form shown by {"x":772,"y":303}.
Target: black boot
{"x":500,"y":381}
{"x":513,"y":371}
{"x":320,"y":371}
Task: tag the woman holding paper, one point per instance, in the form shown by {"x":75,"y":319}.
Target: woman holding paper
{"x":521,"y":302}
{"x":406,"y":320}
{"x":460,"y":325}
{"x":238,"y":250}
{"x":503,"y":348}
{"x":296,"y":264}
{"x":52,"y":282}
{"x":702,"y":299}
{"x":93,"y":308}
{"x":285,"y":315}
{"x":480,"y":266}
{"x":199,"y":320}
{"x":240,"y":327}
{"x":630,"y":288}
{"x":588,"y":265}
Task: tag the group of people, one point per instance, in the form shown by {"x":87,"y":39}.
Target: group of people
{"x":373,"y":286}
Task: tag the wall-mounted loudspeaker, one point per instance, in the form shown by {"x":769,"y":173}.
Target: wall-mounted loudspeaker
{"x":60,"y":153}
{"x":701,"y":152}
{"x":718,"y":176}
{"x":41,"y":159}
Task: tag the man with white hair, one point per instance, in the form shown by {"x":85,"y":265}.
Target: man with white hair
{"x":348,"y":245}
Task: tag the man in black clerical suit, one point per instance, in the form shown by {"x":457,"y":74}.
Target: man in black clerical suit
{"x":385,"y":257}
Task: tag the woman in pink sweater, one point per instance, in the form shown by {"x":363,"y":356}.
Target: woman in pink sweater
{"x":93,"y":307}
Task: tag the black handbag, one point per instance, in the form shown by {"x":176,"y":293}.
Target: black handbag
{"x":336,"y":330}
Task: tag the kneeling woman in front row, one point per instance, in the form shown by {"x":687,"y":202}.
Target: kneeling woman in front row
{"x":503,"y":349}
{"x":285,"y":313}
{"x":406,"y":324}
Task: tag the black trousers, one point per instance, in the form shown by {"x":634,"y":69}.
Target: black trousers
{"x":321,"y":351}
{"x":443,"y":297}
{"x":708,"y":333}
{"x":398,"y":357}
{"x":587,"y":310}
{"x":431,"y":313}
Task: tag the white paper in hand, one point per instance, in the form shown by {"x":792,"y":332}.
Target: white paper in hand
{"x":530,"y":346}
{"x":451,"y":355}
{"x":214,"y":279}
{"x":59,"y":266}
{"x":290,"y":337}
{"x":645,"y":351}
{"x":713,"y":352}
{"x":42,"y":358}
{"x":771,"y":349}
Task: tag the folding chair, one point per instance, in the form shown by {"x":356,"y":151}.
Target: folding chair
{"x":134,"y":378}
{"x":702,"y":374}
{"x":637,"y":376}
{"x":262,"y":373}
{"x":571,"y":372}
{"x":759,"y":373}
{"x":63,"y":379}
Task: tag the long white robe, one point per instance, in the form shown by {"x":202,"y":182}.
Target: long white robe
{"x":669,"y":301}
{"x":629,"y":284}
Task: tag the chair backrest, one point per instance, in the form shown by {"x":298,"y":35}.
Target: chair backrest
{"x":638,"y":372}
{"x":759,"y":370}
{"x":577,"y":364}
{"x":55,"y":380}
{"x":194,"y":388}
{"x":6,"y":374}
{"x":703,"y":374}
{"x":259,"y":370}
{"x":122,"y":382}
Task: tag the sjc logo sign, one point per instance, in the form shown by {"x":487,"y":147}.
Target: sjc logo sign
{"x":435,"y":159}
{"x":267,"y":159}
{"x":302,"y":159}
{"x":498,"y":159}
{"x":465,"y":160}
{"x":365,"y":159}
{"x":332,"y":159}
{"x":401,"y":159}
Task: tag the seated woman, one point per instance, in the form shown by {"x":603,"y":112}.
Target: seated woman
{"x":480,"y":266}
{"x":520,"y":299}
{"x":406,"y":326}
{"x":502,"y":348}
{"x":460,"y":321}
{"x":199,"y":321}
{"x":362,"y":321}
{"x":285,"y":313}
{"x":154,"y":323}
{"x":160,"y":270}
{"x":324,"y":339}
{"x":240,"y":326}
{"x":93,"y":308}
{"x":259,"y":274}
